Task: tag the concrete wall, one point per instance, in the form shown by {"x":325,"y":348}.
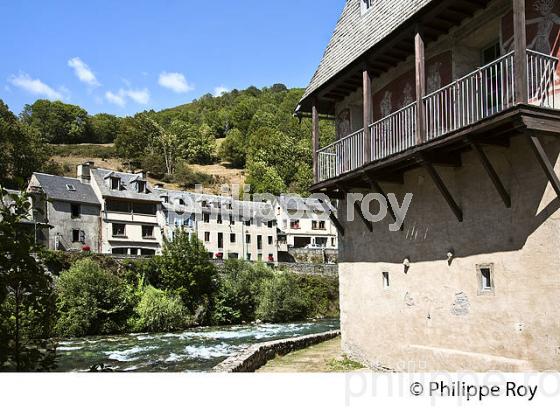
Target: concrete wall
{"x":59,"y":216}
{"x":433,"y":317}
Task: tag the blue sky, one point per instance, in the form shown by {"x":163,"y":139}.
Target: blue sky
{"x":126,"y":56}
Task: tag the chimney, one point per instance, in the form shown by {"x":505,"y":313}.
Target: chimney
{"x":84,"y":172}
{"x":142,"y":174}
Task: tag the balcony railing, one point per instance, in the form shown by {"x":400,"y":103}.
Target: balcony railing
{"x":481,"y":94}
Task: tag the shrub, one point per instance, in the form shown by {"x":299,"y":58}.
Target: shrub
{"x":158,"y":311}
{"x":282,"y":300}
{"x":186,"y":177}
{"x":84,"y":150}
{"x":92,"y":301}
{"x":239,"y":288}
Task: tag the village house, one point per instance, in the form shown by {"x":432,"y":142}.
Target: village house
{"x":303,"y":223}
{"x":68,"y":212}
{"x":230,"y":229}
{"x":456,"y":103}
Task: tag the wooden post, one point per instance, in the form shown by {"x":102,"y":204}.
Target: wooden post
{"x":315,"y":137}
{"x":420,"y":64}
{"x":367,"y":97}
{"x":520,"y":47}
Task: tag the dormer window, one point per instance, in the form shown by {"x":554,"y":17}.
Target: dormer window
{"x":141,"y":186}
{"x":70,"y":187}
{"x":366,"y":5}
{"x":115,"y":183}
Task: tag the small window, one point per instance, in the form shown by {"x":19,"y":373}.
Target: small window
{"x":259,"y":242}
{"x":271,"y":224}
{"x":220,"y":220}
{"x":119,"y":230}
{"x":141,"y":187}
{"x":75,"y":235}
{"x":206,"y":217}
{"x":147,"y":232}
{"x":386,"y":280}
{"x":75,"y":209}
{"x":248,"y":222}
{"x":231,"y":220}
{"x":294,"y":224}
{"x":232,"y":238}
{"x":206,"y":236}
{"x":115,"y":183}
{"x":70,"y":187}
{"x":220,"y":240}
{"x":485,"y":275}
{"x":248,"y":256}
{"x":247,"y":238}
{"x":270,"y":240}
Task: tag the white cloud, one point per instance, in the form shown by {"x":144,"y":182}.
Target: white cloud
{"x":120,"y":98}
{"x":83,"y":72}
{"x":116,"y":99}
{"x":221,"y":90}
{"x":34,"y":86}
{"x":139,"y":96}
{"x":176,"y":82}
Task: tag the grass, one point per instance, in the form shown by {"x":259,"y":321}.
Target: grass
{"x":84,"y":150}
{"x":343,"y":365}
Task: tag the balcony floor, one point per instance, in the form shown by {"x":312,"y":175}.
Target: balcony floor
{"x":497,"y":129}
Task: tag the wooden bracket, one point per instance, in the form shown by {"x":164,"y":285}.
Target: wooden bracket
{"x":332,"y":217}
{"x":491,"y":172}
{"x":545,"y":163}
{"x":443,"y":189}
{"x":358,"y":210}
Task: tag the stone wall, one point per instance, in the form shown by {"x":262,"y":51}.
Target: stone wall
{"x":299,"y":268}
{"x":259,"y":354}
{"x":316,"y":256}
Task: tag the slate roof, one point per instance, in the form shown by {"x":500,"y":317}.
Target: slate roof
{"x":356,"y":33}
{"x":127,"y":190}
{"x":55,"y":188}
{"x":297,"y":203}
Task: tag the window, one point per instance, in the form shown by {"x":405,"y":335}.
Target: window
{"x":147,"y":252}
{"x":220,"y":220}
{"x":75,"y":235}
{"x":231,"y":220}
{"x":220,"y":240}
{"x":271,"y":224}
{"x":206,"y":236}
{"x":333,"y":242}
{"x":115,"y":183}
{"x":270,"y":240}
{"x":147,"y":232}
{"x":248,"y":256}
{"x":259,"y":242}
{"x":248,"y":222}
{"x":75,"y":210}
{"x":294,"y":224}
{"x":485,"y":275}
{"x":232,"y":238}
{"x":141,"y":185}
{"x":233,"y":255}
{"x":271,"y":257}
{"x":206,"y":217}
{"x":119,"y":230}
{"x":118,"y":206}
{"x":119,"y":251}
{"x":386,"y":281}
{"x":247,"y":238}
{"x":144,"y":209}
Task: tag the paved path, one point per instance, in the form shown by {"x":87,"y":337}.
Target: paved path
{"x":315,"y":359}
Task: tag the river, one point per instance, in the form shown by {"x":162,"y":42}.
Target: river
{"x":195,"y":350}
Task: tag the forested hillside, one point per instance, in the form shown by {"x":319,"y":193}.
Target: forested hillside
{"x":252,"y":129}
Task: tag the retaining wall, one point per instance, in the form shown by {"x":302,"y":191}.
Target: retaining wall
{"x":259,"y":354}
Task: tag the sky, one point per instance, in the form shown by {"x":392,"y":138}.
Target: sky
{"x":123,"y":57}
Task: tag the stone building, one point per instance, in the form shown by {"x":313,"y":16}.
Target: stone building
{"x":71,"y":209}
{"x":456,"y":103}
{"x":230,"y":229}
{"x":303,"y":223}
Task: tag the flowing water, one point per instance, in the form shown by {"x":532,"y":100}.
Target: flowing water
{"x":195,"y":350}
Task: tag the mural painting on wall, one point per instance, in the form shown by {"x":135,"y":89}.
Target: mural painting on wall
{"x":401,"y":91}
{"x":343,"y":124}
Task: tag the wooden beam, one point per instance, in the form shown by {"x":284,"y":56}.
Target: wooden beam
{"x":374,"y":185}
{"x":491,"y":173}
{"x":315,"y":138}
{"x":333,"y":218}
{"x":545,"y":163}
{"x":443,"y":190}
{"x":367,"y":113}
{"x":358,"y":210}
{"x":520,"y":47}
{"x":420,"y":64}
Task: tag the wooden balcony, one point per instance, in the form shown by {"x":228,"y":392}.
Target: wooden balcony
{"x":487,"y":93}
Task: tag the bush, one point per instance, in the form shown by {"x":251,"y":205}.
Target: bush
{"x":239,"y":288}
{"x":282,"y":300}
{"x":186,"y":177}
{"x":157,"y":311}
{"x":84,"y":150}
{"x":92,"y":301}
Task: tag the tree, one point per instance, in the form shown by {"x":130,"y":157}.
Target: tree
{"x":264,"y":179}
{"x":282,"y":300}
{"x":26,"y":294}
{"x":92,"y":301}
{"x":168,"y":145}
{"x":57,"y":122}
{"x":186,"y":271}
{"x":233,"y":149}
{"x":158,"y":311}
{"x":136,"y":137}
{"x":104,"y":128}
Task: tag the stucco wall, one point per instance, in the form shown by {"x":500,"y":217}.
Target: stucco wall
{"x":433,"y":317}
{"x":59,"y":217}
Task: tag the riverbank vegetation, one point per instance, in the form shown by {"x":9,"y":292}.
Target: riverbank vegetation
{"x":46,"y":295}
